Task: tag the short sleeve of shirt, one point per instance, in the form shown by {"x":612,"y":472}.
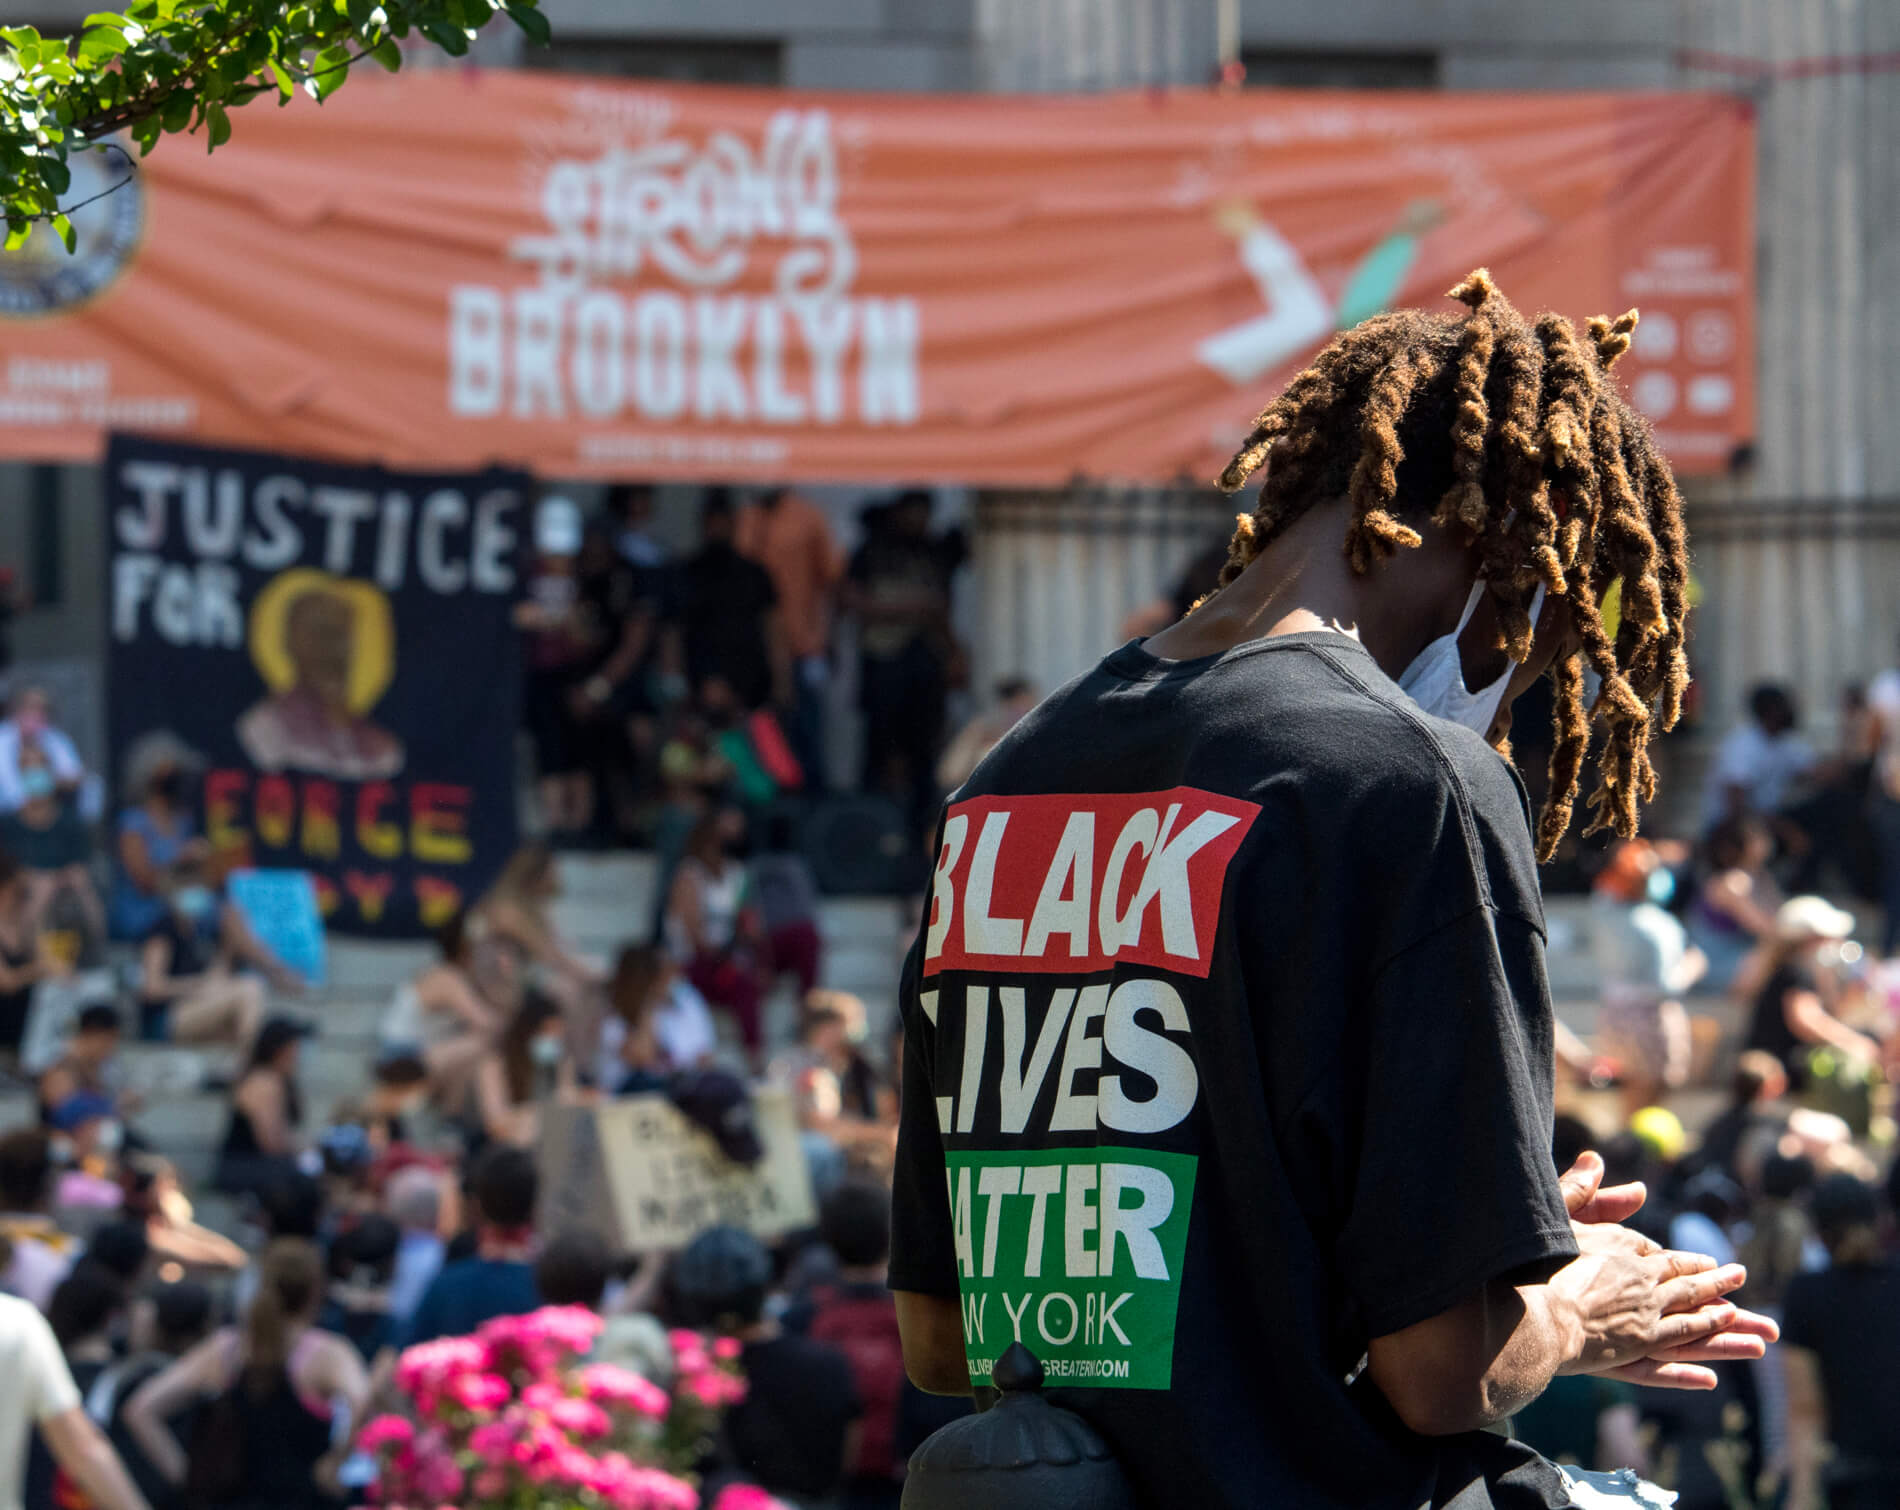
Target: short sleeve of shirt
{"x":1454,"y":1182}
{"x":923,"y":1242}
{"x":1448,"y":1097}
{"x":46,"y":1382}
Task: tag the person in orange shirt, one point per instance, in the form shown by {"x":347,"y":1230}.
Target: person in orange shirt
{"x":791,"y":537}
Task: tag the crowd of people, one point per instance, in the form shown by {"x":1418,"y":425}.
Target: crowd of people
{"x":680,"y":701}
{"x":1715,"y":950}
{"x":407,"y":1212}
{"x":656,"y":682}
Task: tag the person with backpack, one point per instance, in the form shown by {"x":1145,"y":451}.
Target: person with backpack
{"x":857,"y":1315}
{"x":276,"y":1390}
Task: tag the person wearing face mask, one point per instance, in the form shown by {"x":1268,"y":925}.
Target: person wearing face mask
{"x":1232,"y":965}
{"x":28,"y":728}
{"x":46,"y":835}
{"x":529,"y":1062}
{"x":154,"y":833}
{"x":190,"y":987}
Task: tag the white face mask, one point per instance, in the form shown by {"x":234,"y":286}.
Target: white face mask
{"x":547,"y":1052}
{"x":1436,"y":678}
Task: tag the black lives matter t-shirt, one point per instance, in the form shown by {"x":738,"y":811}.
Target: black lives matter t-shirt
{"x":1228,"y":1047}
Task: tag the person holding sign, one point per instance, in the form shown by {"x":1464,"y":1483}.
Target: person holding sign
{"x":1228,"y":1040}
{"x":193,"y":980}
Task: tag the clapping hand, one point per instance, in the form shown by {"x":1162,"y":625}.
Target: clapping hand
{"x":1657,"y":1316}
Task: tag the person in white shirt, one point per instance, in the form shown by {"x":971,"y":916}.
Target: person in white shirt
{"x":1760,"y":763}
{"x":40,"y":1392}
{"x":29,"y":722}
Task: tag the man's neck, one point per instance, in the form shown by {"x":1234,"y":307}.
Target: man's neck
{"x":1302,"y":582}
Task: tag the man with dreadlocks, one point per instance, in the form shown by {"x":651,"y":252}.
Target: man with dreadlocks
{"x":1228,"y":1034}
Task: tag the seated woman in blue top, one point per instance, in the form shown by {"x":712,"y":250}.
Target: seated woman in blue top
{"x":154,"y":834}
{"x":194,"y":964}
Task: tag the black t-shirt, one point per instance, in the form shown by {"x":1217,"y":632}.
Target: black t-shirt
{"x":788,"y":1433}
{"x":1230,"y":1006}
{"x":724,"y":599}
{"x":1849,"y":1318}
{"x":194,"y":949}
{"x":619,"y":592}
{"x":1769,"y":1028}
{"x":61,"y":843}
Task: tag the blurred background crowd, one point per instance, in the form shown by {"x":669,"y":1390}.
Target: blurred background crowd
{"x":741,"y":707}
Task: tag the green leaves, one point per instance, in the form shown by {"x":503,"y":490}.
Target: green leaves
{"x":169,"y":66}
{"x":530,"y":20}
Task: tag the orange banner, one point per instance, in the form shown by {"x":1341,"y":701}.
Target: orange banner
{"x":453,"y":269}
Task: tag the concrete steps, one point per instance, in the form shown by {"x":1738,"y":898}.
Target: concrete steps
{"x":606,"y":901}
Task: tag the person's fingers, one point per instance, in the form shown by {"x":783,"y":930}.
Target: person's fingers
{"x":1613,"y":1203}
{"x":1724,"y":1347}
{"x":1673,"y":1263}
{"x":1663,"y":1375}
{"x":1683,"y":1328}
{"x":1754,"y":1324}
{"x":1580,"y":1181}
{"x":1693,"y":1291}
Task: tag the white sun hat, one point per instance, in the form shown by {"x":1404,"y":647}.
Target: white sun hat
{"x":1812,"y":917}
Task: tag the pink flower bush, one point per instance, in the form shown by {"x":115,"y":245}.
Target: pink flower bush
{"x":513,"y":1416}
{"x":611,"y":1385}
{"x":480,"y":1393}
{"x":746,"y":1497}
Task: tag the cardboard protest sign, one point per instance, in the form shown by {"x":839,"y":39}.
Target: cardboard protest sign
{"x":645,"y":1177}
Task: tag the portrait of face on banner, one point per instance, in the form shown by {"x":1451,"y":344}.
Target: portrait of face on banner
{"x":336,"y":645}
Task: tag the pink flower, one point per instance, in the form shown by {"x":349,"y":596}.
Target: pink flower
{"x":727,"y":1350}
{"x":626,"y":1485}
{"x":745,"y":1497}
{"x":386,"y":1431}
{"x":481,"y":1393}
{"x":542,"y":1397}
{"x":490,"y":1484}
{"x":609,"y":1384}
{"x":572,"y":1465}
{"x":571,"y":1328}
{"x":689,"y":1351}
{"x":580,"y":1418}
{"x":491,"y":1442}
{"x":425,"y":1370}
{"x":437,"y":1478}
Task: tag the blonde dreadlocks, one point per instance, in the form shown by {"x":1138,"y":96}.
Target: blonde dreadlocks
{"x":1512,"y":430}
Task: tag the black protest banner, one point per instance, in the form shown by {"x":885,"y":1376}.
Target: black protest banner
{"x":337,"y":644}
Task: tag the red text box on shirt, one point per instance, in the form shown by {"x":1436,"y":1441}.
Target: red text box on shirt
{"x":1073,"y":883}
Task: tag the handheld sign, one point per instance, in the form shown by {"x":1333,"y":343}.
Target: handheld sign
{"x":281,"y":907}
{"x":642,"y":1175}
